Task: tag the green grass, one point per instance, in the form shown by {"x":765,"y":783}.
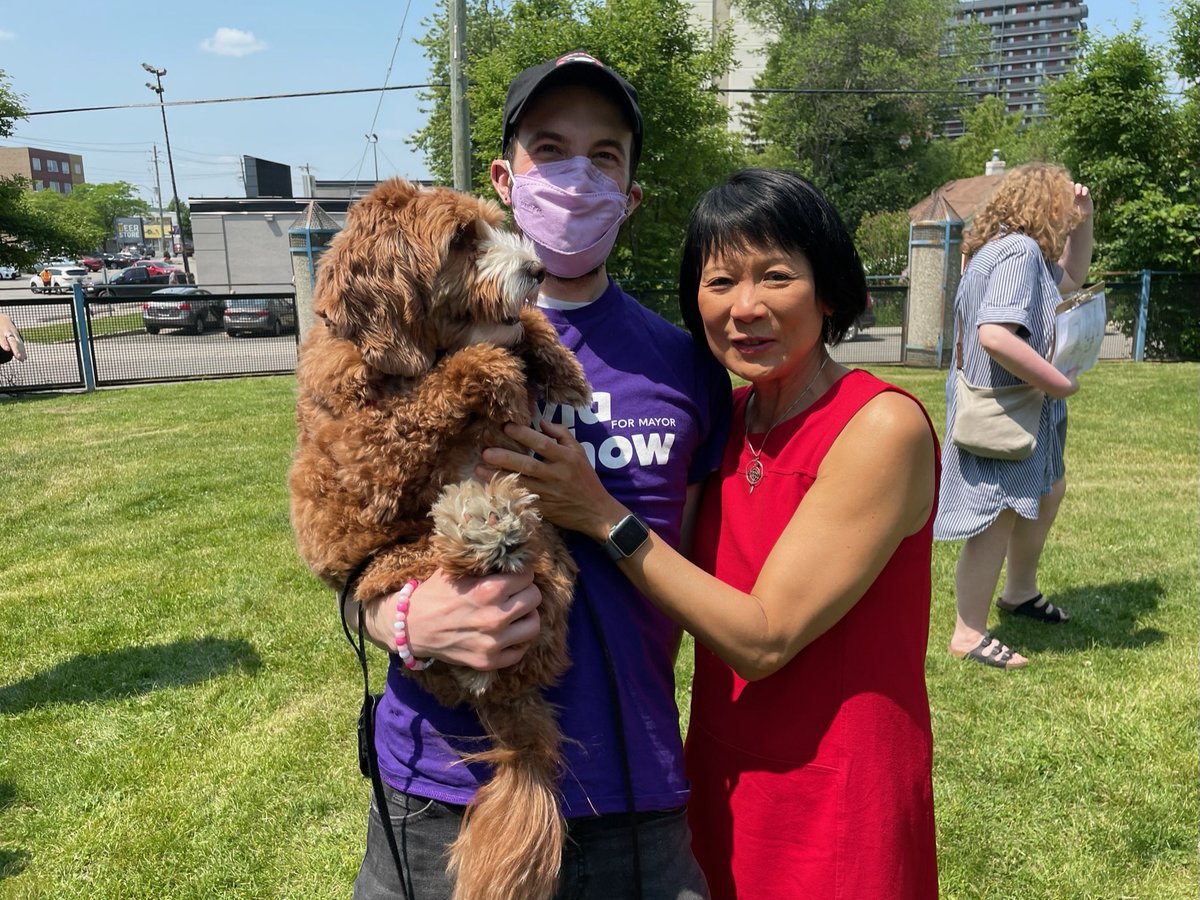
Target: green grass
{"x":177,"y":705}
{"x":116,"y":323}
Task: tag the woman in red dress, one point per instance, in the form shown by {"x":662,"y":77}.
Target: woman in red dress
{"x":809,"y":747}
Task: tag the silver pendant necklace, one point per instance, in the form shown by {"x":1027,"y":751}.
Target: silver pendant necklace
{"x":755,"y":471}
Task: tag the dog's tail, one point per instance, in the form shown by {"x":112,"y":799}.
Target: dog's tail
{"x":511,"y":841}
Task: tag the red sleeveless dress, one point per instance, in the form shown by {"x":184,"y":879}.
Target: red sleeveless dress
{"x":814,"y":782}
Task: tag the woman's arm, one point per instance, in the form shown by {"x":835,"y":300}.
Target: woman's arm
{"x":875,"y":487}
{"x":1077,"y":254}
{"x":999,"y":340}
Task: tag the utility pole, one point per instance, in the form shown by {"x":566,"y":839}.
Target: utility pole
{"x":374,"y":141}
{"x":162,"y":237}
{"x":158,"y":74}
{"x":460,"y":114}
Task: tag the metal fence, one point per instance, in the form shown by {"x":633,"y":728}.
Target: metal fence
{"x":1152,"y":315}
{"x":119,"y":349}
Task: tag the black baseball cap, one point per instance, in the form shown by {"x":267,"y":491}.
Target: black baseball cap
{"x":575,"y":67}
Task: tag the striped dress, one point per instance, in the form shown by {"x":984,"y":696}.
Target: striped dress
{"x":1007,"y":281}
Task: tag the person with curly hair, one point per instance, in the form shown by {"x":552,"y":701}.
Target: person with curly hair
{"x":1031,"y":240}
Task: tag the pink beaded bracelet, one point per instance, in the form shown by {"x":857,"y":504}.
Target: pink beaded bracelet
{"x":402,"y":648}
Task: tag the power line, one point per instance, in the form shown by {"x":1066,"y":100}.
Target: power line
{"x":371,"y":90}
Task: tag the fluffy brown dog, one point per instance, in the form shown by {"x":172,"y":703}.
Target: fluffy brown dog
{"x":429,"y":348}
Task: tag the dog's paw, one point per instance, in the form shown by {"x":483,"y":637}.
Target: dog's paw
{"x":481,"y":528}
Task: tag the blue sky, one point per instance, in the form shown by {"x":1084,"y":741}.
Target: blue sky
{"x":216,"y":49}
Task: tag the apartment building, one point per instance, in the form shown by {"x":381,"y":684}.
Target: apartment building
{"x":1032,"y":43}
{"x":49,"y":170}
{"x":749,"y":52}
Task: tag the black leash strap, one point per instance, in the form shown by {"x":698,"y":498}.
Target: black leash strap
{"x":368,"y":757}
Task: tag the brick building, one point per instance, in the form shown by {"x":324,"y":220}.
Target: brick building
{"x":49,"y":170}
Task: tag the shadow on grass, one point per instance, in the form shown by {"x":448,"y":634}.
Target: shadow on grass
{"x":12,"y":861}
{"x":1103,"y":615}
{"x":128,"y":672}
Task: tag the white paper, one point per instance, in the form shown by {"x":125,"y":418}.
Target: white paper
{"x":1079,"y":331}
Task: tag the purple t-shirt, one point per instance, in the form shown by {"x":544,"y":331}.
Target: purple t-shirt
{"x":657,"y":423}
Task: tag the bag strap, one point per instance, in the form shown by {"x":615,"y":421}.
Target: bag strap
{"x":402,"y":871}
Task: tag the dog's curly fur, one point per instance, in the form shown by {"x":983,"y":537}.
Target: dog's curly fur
{"x":428,"y":349}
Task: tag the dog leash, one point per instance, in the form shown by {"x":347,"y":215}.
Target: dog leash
{"x":368,"y":756}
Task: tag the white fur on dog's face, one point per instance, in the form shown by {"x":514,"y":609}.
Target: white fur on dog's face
{"x":509,"y":262}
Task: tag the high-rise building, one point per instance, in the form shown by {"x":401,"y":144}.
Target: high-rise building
{"x":749,"y":52}
{"x":1031,"y":43}
{"x":48,"y":170}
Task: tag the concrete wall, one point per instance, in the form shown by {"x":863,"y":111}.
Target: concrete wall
{"x":244,"y":251}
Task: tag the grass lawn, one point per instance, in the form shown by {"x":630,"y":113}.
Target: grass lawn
{"x":177,"y":704}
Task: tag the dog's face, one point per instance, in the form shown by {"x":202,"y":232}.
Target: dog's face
{"x":417,"y":272}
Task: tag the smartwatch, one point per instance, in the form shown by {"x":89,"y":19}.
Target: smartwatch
{"x":626,"y":537}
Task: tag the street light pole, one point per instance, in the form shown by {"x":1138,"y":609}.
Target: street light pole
{"x":158,"y":74}
{"x":374,"y":139}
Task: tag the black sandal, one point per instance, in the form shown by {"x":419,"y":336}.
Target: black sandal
{"x":997,"y":660}
{"x":1038,"y":608}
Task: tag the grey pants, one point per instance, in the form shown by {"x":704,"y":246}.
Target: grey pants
{"x":597,"y":862}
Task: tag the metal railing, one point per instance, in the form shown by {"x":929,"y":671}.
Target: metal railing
{"x":78,"y":343}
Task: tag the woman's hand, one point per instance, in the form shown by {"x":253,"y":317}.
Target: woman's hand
{"x":569,"y":491}
{"x":1083,"y":200}
{"x":10,"y":338}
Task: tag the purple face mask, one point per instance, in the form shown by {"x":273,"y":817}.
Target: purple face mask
{"x":571,"y":211}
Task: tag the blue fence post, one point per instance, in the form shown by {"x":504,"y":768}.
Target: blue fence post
{"x":1139,"y":341}
{"x":85,"y":339}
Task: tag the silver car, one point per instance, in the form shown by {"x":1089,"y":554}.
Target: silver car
{"x":260,"y":315}
{"x":182,"y":306}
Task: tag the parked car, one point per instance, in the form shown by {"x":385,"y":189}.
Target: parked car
{"x":259,"y":315}
{"x":181,"y":306}
{"x":92,"y":263}
{"x":863,"y":322}
{"x":62,"y":278}
{"x":9,"y":273}
{"x":132,"y":282}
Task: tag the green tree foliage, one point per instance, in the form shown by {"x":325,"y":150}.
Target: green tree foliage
{"x":987,"y":127}
{"x":46,"y":223}
{"x":1118,"y":132}
{"x":869,"y":152}
{"x":651,"y":42}
{"x":882,"y":241}
{"x":183,"y":215}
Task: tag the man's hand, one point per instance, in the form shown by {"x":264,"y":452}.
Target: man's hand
{"x":483,"y":623}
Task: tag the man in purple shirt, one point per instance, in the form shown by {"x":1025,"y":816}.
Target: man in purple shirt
{"x":655,"y":428}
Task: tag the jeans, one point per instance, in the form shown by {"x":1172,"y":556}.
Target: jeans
{"x":597,"y":861}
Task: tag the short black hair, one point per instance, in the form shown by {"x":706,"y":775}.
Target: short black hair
{"x":774,"y":208}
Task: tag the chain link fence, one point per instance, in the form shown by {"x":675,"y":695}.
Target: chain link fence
{"x":152,"y":339}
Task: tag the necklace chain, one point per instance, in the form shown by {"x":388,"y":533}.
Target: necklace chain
{"x":755,"y":471}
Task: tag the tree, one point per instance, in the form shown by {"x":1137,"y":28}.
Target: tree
{"x":987,"y":127}
{"x":1118,"y":132}
{"x":104,"y":203}
{"x":184,"y":216}
{"x":882,"y":242}
{"x":868,"y":150}
{"x":31,"y":227}
{"x":651,"y":42}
